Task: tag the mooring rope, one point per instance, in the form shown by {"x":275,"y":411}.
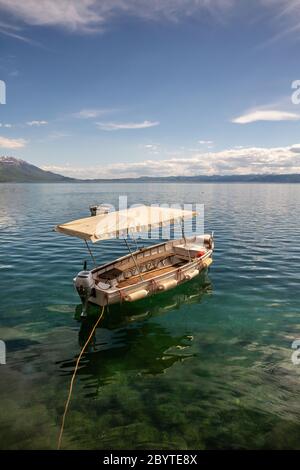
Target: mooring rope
{"x":73,"y":378}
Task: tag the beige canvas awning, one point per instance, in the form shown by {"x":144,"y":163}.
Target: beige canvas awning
{"x":120,"y":223}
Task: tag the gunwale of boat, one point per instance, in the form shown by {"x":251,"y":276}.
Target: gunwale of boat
{"x":138,"y":253}
{"x":158,"y":274}
{"x":164,"y":249}
{"x":150,"y":270}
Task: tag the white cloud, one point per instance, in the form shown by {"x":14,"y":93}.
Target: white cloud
{"x":266,"y":115}
{"x":8,"y":126}
{"x":92,"y":113}
{"x":14,"y":73}
{"x":10,"y":34}
{"x":287,"y":15}
{"x":114,"y":126}
{"x":92,"y":15}
{"x":36,"y":123}
{"x":12,"y":143}
{"x":55,"y":135}
{"x":13,"y":31}
{"x":152,"y":146}
{"x":71,"y":14}
{"x":295,"y":148}
{"x":153,"y":149}
{"x":205,"y":142}
{"x":253,"y":160}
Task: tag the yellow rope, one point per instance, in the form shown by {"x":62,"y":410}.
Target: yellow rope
{"x":73,"y":378}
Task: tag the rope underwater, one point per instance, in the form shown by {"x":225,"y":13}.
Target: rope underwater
{"x":73,"y":378}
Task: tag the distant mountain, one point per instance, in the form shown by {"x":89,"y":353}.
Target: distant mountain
{"x":272,"y":178}
{"x":14,"y":170}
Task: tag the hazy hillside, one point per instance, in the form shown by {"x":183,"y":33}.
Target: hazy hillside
{"x":13,"y":170}
{"x":285,"y":178}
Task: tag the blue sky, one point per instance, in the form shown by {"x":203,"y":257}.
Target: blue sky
{"x":163,"y":87}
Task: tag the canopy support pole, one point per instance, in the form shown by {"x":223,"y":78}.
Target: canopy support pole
{"x":134,"y":260}
{"x":184,"y":237}
{"x":90,"y":252}
{"x":182,"y":231}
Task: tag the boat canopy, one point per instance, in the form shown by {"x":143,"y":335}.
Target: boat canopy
{"x":121,"y":223}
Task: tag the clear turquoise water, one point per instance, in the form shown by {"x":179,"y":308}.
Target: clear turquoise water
{"x":207,"y":365}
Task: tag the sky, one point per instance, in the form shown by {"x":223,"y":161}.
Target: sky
{"x":116,"y":88}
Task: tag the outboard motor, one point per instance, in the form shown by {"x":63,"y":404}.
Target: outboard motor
{"x":101,"y":209}
{"x":84,"y":284}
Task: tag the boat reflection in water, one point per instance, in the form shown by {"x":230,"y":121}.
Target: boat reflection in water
{"x":132,"y":339}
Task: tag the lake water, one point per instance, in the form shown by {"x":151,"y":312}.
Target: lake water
{"x":207,"y":365}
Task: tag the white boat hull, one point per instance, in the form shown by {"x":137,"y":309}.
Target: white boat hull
{"x":146,"y":272}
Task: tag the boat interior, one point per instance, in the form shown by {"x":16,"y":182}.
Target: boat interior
{"x":149,"y":263}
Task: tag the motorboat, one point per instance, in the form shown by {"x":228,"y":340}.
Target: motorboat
{"x":143,"y":272}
